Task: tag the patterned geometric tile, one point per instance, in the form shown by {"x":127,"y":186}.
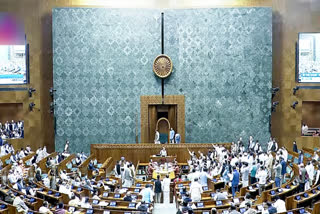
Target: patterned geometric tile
{"x":103,"y":64}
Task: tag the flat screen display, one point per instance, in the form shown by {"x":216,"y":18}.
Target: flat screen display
{"x":309,"y":57}
{"x":13,"y":64}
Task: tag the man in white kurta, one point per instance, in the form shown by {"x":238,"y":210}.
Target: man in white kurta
{"x":166,"y":190}
{"x":195,"y":191}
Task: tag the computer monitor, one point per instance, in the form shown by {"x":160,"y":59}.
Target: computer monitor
{"x":136,"y":190}
{"x":318,"y":187}
{"x":298,"y":197}
{"x":288,"y":187}
{"x":105,"y":194}
{"x":180,"y":185}
{"x":134,"y":197}
{"x":205,"y":188}
{"x":236,"y":201}
{"x":41,"y":189}
{"x":117,"y":195}
{"x":272,"y":192}
{"x":219,"y":203}
{"x":3,"y":206}
{"x":200,"y":204}
{"x":89,"y":211}
{"x":250,"y":187}
{"x":95,"y":201}
{"x":57,"y":194}
{"x":305,"y":195}
{"x":50,"y":192}
{"x":72,"y":209}
{"x":214,"y":180}
{"x":113,"y":204}
{"x":79,"y":189}
{"x":206,"y":212}
{"x":290,"y":212}
{"x":242,"y":210}
{"x":30,"y":212}
{"x":132,"y":205}
{"x":301,"y":211}
{"x":107,"y":179}
{"x":138,"y":185}
{"x":32,"y":200}
{"x":212,"y":195}
{"x":280,"y":190}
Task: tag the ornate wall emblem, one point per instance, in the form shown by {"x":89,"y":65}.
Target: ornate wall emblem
{"x":162,"y":66}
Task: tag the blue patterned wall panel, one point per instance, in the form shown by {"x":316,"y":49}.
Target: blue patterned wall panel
{"x":102,"y":64}
{"x":222,"y":61}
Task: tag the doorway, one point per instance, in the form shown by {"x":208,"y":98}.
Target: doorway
{"x":162,"y":118}
{"x":170,"y":109}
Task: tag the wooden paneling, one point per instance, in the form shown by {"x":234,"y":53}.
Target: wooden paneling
{"x":289,"y":18}
{"x":142,"y":152}
{"x":11,"y":111}
{"x":146,"y":101}
{"x":311,"y":113}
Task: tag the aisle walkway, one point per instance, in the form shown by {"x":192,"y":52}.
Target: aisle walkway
{"x":162,"y":209}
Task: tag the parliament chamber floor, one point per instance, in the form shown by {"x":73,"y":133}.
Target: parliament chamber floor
{"x":160,"y":106}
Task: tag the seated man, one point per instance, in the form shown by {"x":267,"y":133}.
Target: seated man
{"x":143,"y":207}
{"x":220,"y":195}
{"x":163,"y":152}
{"x":128,"y":197}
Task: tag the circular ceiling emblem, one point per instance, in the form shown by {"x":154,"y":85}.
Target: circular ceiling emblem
{"x":162,"y":66}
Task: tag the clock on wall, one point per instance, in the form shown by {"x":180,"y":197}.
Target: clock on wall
{"x":162,"y":66}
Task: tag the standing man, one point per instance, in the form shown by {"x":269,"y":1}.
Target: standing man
{"x":172,"y":135}
{"x":245,"y":174}
{"x":302,"y":178}
{"x":235,"y":181}
{"x":204,"y":177}
{"x":156,"y":137}
{"x":127,"y":177}
{"x":295,"y":147}
{"x":300,"y":158}
{"x":283,"y":169}
{"x":166,"y":190}
{"x":178,"y":138}
{"x":195,"y":191}
{"x":310,"y":171}
{"x":147,"y":194}
{"x":262,"y":176}
{"x":253,"y":172}
{"x":277,"y":173}
{"x":66,"y":147}
{"x":158,"y":189}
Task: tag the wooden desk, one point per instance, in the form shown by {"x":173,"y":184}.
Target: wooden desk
{"x":166,"y":159}
{"x":163,"y":174}
{"x":42,"y":162}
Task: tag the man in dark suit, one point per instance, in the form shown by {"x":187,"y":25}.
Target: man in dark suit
{"x":128,"y":197}
{"x":235,"y":181}
{"x":158,"y":189}
{"x":295,"y":147}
